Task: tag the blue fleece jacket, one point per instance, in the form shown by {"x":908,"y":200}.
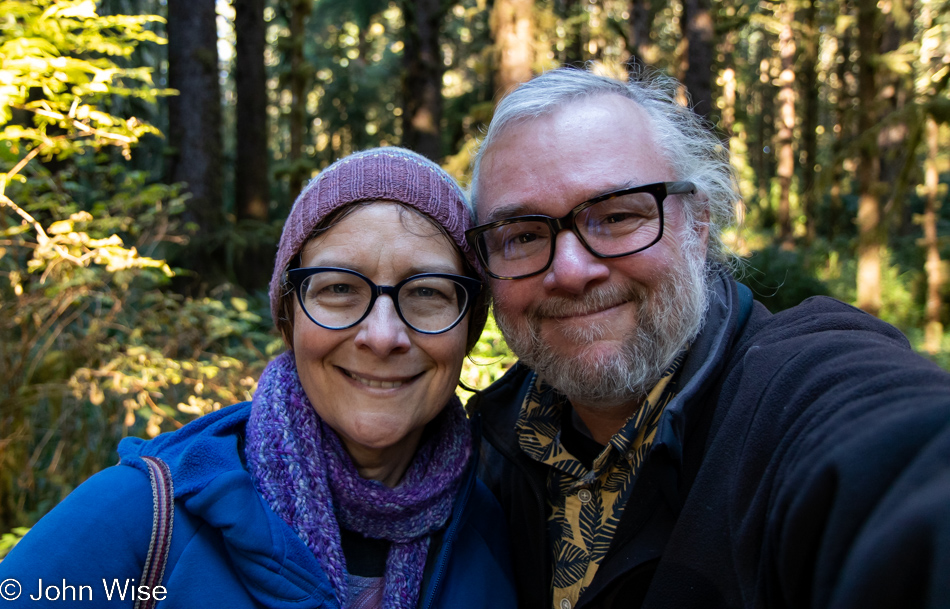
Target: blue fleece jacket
{"x":228,"y":549}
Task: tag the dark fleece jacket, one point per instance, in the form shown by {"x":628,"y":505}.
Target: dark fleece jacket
{"x":804,"y":463}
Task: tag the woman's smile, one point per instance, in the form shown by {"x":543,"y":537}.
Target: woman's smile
{"x":377,"y":382}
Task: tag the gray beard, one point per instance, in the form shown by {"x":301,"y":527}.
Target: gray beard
{"x":669,"y":318}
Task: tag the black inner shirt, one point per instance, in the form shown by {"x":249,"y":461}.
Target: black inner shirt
{"x":365,"y":557}
{"x":584,"y":448}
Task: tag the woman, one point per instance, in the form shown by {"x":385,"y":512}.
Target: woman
{"x":348,"y":481}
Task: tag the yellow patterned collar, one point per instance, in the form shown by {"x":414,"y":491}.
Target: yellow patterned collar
{"x":586,"y":504}
{"x":539,"y":425}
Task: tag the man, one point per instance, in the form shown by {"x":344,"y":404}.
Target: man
{"x":665,"y":441}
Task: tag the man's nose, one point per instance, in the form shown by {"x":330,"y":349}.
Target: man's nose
{"x":573,"y":268}
{"x":383,"y":332}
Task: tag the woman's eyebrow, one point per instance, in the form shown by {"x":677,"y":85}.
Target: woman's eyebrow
{"x":413,"y":269}
{"x":447,"y":269}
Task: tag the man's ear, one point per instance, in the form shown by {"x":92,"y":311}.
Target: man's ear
{"x":701,"y":226}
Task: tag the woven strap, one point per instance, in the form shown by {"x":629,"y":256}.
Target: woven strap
{"x":163,"y":503}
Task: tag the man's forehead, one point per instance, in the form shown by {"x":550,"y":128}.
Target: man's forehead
{"x":582,"y":149}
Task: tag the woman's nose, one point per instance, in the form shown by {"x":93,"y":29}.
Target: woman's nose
{"x":383,"y":331}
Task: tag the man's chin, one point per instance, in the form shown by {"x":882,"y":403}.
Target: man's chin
{"x":596,"y":361}
{"x":583,"y":352}
{"x":570,"y":336}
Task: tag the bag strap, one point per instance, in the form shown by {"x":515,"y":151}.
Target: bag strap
{"x":163,"y":504}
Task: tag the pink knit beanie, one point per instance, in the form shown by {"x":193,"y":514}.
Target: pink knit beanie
{"x":384,"y":174}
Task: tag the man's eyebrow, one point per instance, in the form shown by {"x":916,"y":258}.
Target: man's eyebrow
{"x":512,"y":210}
{"x":503,"y":212}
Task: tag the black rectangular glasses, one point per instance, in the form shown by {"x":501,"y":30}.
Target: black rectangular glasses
{"x":611,"y":225}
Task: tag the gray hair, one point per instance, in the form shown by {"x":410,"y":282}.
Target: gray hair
{"x":685,"y":139}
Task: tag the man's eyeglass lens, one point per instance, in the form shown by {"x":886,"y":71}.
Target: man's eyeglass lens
{"x":337,"y":300}
{"x":613,"y":227}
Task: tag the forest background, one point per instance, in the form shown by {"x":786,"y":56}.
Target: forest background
{"x":150,"y":150}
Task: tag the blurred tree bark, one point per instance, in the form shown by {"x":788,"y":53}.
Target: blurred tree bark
{"x":933,"y":329}
{"x":728,"y":82}
{"x":933,"y":266}
{"x":512,"y":24}
{"x":251,"y":185}
{"x":299,"y":76}
{"x":763,"y":126}
{"x":895,"y":91}
{"x":699,"y":35}
{"x":784,"y":147}
{"x":571,"y":13}
{"x":808,"y":92}
{"x":729,"y":85}
{"x":422,"y":78}
{"x":843,"y":97}
{"x":194,"y":123}
{"x":251,"y":189}
{"x":870,"y":233}
{"x":642,"y":49}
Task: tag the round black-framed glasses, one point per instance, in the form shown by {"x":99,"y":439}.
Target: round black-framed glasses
{"x":611,"y":225}
{"x":337,"y":298}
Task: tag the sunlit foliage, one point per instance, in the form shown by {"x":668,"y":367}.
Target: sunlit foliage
{"x":98,"y":339}
{"x":93,"y":346}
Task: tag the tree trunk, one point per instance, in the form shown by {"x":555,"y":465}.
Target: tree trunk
{"x":843,"y":127}
{"x":760,"y":154}
{"x":569,"y":12}
{"x":513,"y":29}
{"x":194,"y":121}
{"x":729,"y":83}
{"x":254,"y":262}
{"x":808,"y":91}
{"x":870,"y":239}
{"x":643,"y":51}
{"x":933,"y":330}
{"x":251,"y":192}
{"x":698,"y":34}
{"x":786,"y":124}
{"x":299,"y":76}
{"x":933,"y":327}
{"x":893,"y":148}
{"x":422,"y":80}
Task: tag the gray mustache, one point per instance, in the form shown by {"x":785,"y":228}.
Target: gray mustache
{"x":591,"y":302}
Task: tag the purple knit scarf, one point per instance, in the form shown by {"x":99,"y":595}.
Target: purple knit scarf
{"x":303,"y":472}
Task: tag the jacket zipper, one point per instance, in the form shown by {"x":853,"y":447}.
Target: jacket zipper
{"x":450,"y":534}
{"x":502,"y":448}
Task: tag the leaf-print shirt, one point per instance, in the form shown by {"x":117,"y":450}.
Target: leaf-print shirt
{"x":586,"y":503}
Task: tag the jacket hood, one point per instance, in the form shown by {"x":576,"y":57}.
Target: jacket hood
{"x":730,"y":304}
{"x":210,"y":482}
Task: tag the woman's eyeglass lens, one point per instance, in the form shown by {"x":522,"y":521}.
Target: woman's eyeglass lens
{"x":337,"y":299}
{"x":613,"y":225}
